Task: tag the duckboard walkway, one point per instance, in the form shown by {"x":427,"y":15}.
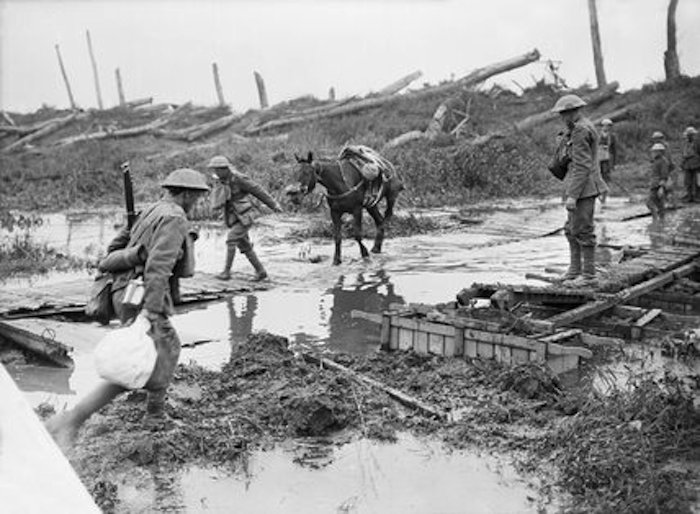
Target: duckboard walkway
{"x":71,"y":296}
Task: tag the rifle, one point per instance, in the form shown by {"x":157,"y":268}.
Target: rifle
{"x":128,"y":194}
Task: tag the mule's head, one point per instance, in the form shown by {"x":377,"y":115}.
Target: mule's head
{"x":305,"y":174}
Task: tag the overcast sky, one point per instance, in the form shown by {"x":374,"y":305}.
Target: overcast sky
{"x":164,"y":48}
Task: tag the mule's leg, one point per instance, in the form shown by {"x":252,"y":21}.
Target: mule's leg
{"x":379,"y":224}
{"x":390,"y":201}
{"x":336,"y":217}
{"x":357,"y":226}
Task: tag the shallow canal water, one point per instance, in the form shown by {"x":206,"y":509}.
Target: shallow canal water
{"x":311,"y":304}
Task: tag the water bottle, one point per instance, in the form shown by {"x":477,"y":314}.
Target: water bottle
{"x":133,"y":295}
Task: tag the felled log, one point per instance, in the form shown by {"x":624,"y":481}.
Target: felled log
{"x":594,"y":98}
{"x":139,"y":101}
{"x":405,"y":138}
{"x":213,"y":126}
{"x":398,"y":85}
{"x":44,"y":131}
{"x":617,"y":114}
{"x":474,"y":77}
{"x":8,"y":119}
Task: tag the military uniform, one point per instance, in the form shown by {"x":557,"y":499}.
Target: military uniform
{"x":231,"y":194}
{"x":163,"y":230}
{"x":607,"y":154}
{"x":690,"y":164}
{"x":583,"y":182}
{"x":660,"y":171}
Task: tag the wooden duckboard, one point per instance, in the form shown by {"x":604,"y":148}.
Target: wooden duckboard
{"x":451,"y":340}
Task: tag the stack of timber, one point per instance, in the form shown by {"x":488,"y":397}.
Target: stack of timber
{"x":428,"y":330}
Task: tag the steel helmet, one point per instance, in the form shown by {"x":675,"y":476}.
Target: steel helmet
{"x":219,"y":161}
{"x":657,"y":135}
{"x":568,"y":103}
{"x":658,"y":146}
{"x":606,"y":122}
{"x":689,"y":130}
{"x":186,"y":178}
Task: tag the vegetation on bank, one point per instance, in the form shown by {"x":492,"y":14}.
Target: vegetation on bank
{"x":446,"y":171}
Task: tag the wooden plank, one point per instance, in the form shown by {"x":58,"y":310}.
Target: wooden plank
{"x":436,"y":328}
{"x":385,"y":335}
{"x":394,"y":341}
{"x":421,"y":343}
{"x":647,"y":318}
{"x":504,"y":339}
{"x":520,"y":356}
{"x":558,"y":336}
{"x":503,"y":354}
{"x":484,"y":350}
{"x":557,"y":349}
{"x":396,"y":394}
{"x":42,"y":343}
{"x":598,"y":306}
{"x":436,"y":344}
{"x":469,"y":347}
{"x":406,"y":338}
{"x":35,"y":476}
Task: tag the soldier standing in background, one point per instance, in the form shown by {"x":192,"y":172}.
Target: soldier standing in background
{"x":607,"y":154}
{"x":690,"y":163}
{"x":659,"y":137}
{"x":658,"y":181}
{"x":231,"y":194}
{"x":583,"y":185}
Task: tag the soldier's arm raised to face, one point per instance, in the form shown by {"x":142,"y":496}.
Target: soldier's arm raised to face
{"x":162,"y":255}
{"x":582,"y":160}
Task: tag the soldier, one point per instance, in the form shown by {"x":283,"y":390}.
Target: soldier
{"x":162,"y":230}
{"x":230,"y":193}
{"x":659,"y":137}
{"x":583,"y":185}
{"x":607,"y":154}
{"x":690,"y":163}
{"x":658,"y":181}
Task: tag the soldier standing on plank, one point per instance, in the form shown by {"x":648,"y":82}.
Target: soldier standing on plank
{"x":658,"y":181}
{"x":583,"y":185}
{"x":231,"y":194}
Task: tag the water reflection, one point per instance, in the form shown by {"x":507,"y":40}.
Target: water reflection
{"x":370,"y":292}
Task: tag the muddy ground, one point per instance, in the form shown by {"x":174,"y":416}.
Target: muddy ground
{"x":578,"y":450}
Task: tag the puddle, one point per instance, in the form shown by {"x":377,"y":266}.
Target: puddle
{"x":409,"y":476}
{"x":311,"y":304}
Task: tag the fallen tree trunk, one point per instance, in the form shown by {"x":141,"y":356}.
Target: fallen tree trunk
{"x":618,"y":114}
{"x":474,"y":77}
{"x":139,"y":101}
{"x":594,"y":98}
{"x":44,"y":131}
{"x":398,"y":85}
{"x":206,"y":129}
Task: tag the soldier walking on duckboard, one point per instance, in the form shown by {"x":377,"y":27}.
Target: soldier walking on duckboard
{"x":583,"y":184}
{"x":231,"y":191}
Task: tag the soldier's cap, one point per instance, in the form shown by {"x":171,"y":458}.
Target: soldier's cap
{"x":658,"y":147}
{"x":657,"y":135}
{"x":568,"y":103}
{"x":689,"y":130}
{"x":186,"y":178}
{"x":606,"y":121}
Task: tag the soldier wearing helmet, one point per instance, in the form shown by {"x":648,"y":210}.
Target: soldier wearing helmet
{"x":583,"y":185}
{"x":690,"y":162}
{"x":164,"y":232}
{"x":659,"y":181}
{"x":231,"y":195}
{"x":607,"y":154}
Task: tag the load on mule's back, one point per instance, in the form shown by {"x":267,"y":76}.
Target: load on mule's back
{"x":358,"y":179}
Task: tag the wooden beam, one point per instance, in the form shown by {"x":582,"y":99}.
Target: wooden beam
{"x":262,"y":92}
{"x":65,"y":78}
{"x":647,"y":318}
{"x":95,"y":74}
{"x":217,"y":84}
{"x":40,"y":344}
{"x":46,"y":130}
{"x":596,"y":307}
{"x":394,"y":393}
{"x":400,"y":84}
{"x":120,"y":87}
{"x":216,"y":125}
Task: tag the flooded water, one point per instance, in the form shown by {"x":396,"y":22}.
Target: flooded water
{"x":311,"y":304}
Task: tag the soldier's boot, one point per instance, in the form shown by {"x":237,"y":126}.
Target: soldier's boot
{"x":588,"y":278}
{"x":574,"y":270}
{"x":260,"y":273}
{"x":226,"y":273}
